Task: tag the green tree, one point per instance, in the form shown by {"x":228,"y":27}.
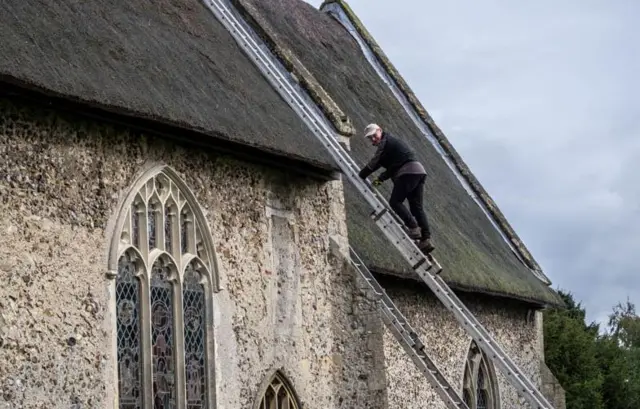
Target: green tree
{"x":571,"y":354}
{"x":619,"y":357}
{"x":624,"y":325}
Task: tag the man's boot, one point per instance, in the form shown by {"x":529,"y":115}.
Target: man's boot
{"x":426,"y":246}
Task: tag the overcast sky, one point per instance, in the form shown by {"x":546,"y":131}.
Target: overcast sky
{"x":542,"y":99}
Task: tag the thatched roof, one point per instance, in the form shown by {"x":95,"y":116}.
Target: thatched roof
{"x":166,"y":60}
{"x":473,"y":253}
{"x":172,"y":62}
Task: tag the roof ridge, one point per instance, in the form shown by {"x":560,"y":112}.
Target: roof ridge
{"x":329,"y":107}
{"x":442,"y":140}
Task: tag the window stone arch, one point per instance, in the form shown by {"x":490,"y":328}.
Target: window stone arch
{"x":479,"y":387}
{"x":164,"y":274}
{"x":278,"y":394}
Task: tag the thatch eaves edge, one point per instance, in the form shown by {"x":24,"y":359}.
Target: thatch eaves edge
{"x":547,"y":302}
{"x":33,"y":93}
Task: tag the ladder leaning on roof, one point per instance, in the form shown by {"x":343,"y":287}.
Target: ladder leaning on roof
{"x":383,"y":216}
{"x":408,"y":338}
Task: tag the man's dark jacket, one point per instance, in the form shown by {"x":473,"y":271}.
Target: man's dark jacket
{"x":392,"y":153}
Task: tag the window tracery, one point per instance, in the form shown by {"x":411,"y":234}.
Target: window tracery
{"x":279,"y":395}
{"x":479,"y":385}
{"x":163,"y":287}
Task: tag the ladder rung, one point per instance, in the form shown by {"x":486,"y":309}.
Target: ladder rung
{"x":419,"y":263}
{"x":377,"y":216}
{"x":291,"y":92}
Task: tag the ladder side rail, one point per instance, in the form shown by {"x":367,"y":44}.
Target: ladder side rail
{"x":399,"y":327}
{"x":320,"y":128}
{"x":378,"y":289}
{"x":493,"y":348}
{"x":336,"y":12}
{"x":423,"y":363}
{"x":485,"y":341}
{"x":317,"y":118}
{"x":382,"y":294}
{"x":386,"y":222}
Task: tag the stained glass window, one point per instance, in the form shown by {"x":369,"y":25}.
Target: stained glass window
{"x":128,"y":329}
{"x":279,"y":395}
{"x":194,"y":338}
{"x":177,"y":360}
{"x":479,"y":387}
{"x":162,"y":329}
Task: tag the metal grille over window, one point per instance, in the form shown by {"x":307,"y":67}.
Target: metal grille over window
{"x":279,"y":395}
{"x":480,"y":387}
{"x":163,"y":290}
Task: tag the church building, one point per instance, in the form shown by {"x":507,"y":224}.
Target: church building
{"x":174,"y":236}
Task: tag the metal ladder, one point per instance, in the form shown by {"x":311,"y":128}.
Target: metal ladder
{"x":408,"y":338}
{"x":382,"y":215}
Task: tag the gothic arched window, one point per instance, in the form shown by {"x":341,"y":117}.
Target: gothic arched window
{"x":479,"y":385}
{"x":164,"y":267}
{"x":279,"y":394}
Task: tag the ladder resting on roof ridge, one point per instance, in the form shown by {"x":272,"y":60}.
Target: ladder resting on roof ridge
{"x":382,"y":215}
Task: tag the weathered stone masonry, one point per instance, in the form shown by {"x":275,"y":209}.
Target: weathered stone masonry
{"x":61,"y":178}
{"x":448,"y":345}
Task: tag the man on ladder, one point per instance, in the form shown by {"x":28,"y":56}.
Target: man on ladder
{"x":408,"y":176}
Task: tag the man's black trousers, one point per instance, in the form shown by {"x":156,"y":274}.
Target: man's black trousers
{"x":410,"y":187}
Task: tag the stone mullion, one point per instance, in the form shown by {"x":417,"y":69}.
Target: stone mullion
{"x":143,"y":231}
{"x":147,"y":342}
{"x":209,"y":361}
{"x":191,"y":234}
{"x":486,"y":384}
{"x":159,"y":210}
{"x":178,"y":325}
{"x":127,"y":228}
{"x":147,"y":195}
{"x":175,"y":234}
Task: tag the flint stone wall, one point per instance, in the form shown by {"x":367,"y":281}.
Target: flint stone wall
{"x":285,"y":302}
{"x":511,"y":323}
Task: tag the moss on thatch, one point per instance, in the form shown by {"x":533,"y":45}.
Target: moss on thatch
{"x":323,"y":100}
{"x":169,"y":61}
{"x":473,"y":253}
{"x":172,"y":62}
{"x":462,"y":167}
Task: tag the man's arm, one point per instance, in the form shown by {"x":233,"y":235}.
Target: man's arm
{"x":374,"y":163}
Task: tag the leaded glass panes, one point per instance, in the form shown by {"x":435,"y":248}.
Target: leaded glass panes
{"x":164,"y":376}
{"x":168,"y":229}
{"x":278,"y":395}
{"x":151,"y":226}
{"x":128,"y":330}
{"x":482,"y":398}
{"x":164,"y":363}
{"x":466,"y":396}
{"x":194,"y":338}
{"x":184,"y":230}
